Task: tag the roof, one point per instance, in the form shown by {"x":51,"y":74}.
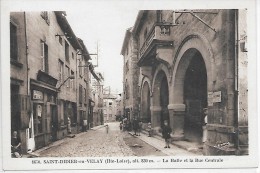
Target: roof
{"x":91,"y":68}
{"x":65,"y":26}
{"x":85,"y":53}
{"x":139,"y":21}
{"x":126,"y":40}
{"x":109,"y":96}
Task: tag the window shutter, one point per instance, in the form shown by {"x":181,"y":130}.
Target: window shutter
{"x":23,"y":110}
{"x":48,"y":118}
{"x":42,"y":56}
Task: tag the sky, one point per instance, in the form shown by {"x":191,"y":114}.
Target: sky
{"x":107,"y":27}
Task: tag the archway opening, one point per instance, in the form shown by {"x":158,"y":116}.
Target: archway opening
{"x":164,"y":100}
{"x":145,"y":105}
{"x":195,"y":97}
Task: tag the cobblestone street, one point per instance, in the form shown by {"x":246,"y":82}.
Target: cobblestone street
{"x":93,"y":143}
{"x":98,"y":143}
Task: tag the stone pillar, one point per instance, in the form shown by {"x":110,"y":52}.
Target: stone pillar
{"x":156,"y":116}
{"x":177,"y":115}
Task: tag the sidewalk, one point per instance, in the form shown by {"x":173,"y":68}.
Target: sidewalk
{"x":36,"y":153}
{"x":183,"y":147}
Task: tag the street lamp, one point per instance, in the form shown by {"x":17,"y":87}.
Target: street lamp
{"x":69,"y":77}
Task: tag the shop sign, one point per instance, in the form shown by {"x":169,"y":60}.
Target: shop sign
{"x":37,"y":95}
{"x":214,"y":97}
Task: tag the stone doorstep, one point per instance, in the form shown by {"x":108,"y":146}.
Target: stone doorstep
{"x":188,"y":146}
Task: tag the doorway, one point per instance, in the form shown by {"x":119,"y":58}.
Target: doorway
{"x":195,"y":97}
{"x":164,"y":101}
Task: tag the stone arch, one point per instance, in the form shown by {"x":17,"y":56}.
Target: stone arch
{"x":145,"y":101}
{"x":182,"y":60}
{"x":192,"y":46}
{"x":160,"y":68}
{"x":144,"y":80}
{"x":160,"y":97}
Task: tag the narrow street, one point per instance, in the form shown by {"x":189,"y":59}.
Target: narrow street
{"x":98,"y":143}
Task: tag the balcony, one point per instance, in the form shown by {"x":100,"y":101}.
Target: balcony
{"x":158,"y":40}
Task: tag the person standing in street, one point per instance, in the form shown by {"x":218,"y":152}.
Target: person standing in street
{"x":107,"y":128}
{"x":69,"y":125}
{"x":139,"y":127}
{"x":149,"y":129}
{"x":166,"y":133}
{"x":205,"y":112}
{"x":135,"y":126}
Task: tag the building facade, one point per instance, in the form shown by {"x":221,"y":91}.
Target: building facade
{"x":97,"y":80}
{"x":190,"y":60}
{"x":83,"y":86}
{"x":109,"y":105}
{"x":20,"y":100}
{"x":44,"y":73}
{"x":130,"y":76}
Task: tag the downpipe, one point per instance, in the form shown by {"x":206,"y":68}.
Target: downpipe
{"x":236,"y":87}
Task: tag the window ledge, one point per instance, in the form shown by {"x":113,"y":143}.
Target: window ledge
{"x":16,"y":63}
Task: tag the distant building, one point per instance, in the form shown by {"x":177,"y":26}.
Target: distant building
{"x":131,"y":73}
{"x":109,"y":105}
{"x":119,"y":106}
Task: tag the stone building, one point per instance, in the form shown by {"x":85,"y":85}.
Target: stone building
{"x":83,"y":85}
{"x":44,"y":52}
{"x":96,"y":116}
{"x":190,"y":60}
{"x":20,"y":100}
{"x":110,"y":107}
{"x":130,"y":76}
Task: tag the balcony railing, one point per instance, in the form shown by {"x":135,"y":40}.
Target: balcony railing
{"x":159,"y":33}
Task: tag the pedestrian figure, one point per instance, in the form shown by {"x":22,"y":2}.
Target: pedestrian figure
{"x":121,"y":126}
{"x":139,"y":127}
{"x":205,"y":112}
{"x":69,"y":125}
{"x":135,"y":126}
{"x":16,"y":145}
{"x":124,"y":124}
{"x":107,"y":128}
{"x":150,"y":130}
{"x":166,"y":133}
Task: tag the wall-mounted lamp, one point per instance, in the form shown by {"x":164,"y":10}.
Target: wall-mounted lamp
{"x":66,"y":35}
{"x":70,"y":77}
{"x":88,"y":54}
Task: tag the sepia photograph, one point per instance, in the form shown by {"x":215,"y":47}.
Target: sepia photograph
{"x":128,"y":86}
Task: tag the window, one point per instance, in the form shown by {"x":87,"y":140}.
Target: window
{"x":45,"y":16}
{"x":110,"y":103}
{"x":126,"y":90}
{"x":80,"y":94}
{"x":67,"y":73}
{"x":13,"y":42}
{"x":61,"y":70}
{"x":72,"y":55}
{"x":60,"y":39}
{"x":72,"y":80}
{"x":127,"y":66}
{"x":37,"y":116}
{"x":85,"y":96}
{"x":80,"y":68}
{"x":67,"y":55}
{"x":44,"y":56}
